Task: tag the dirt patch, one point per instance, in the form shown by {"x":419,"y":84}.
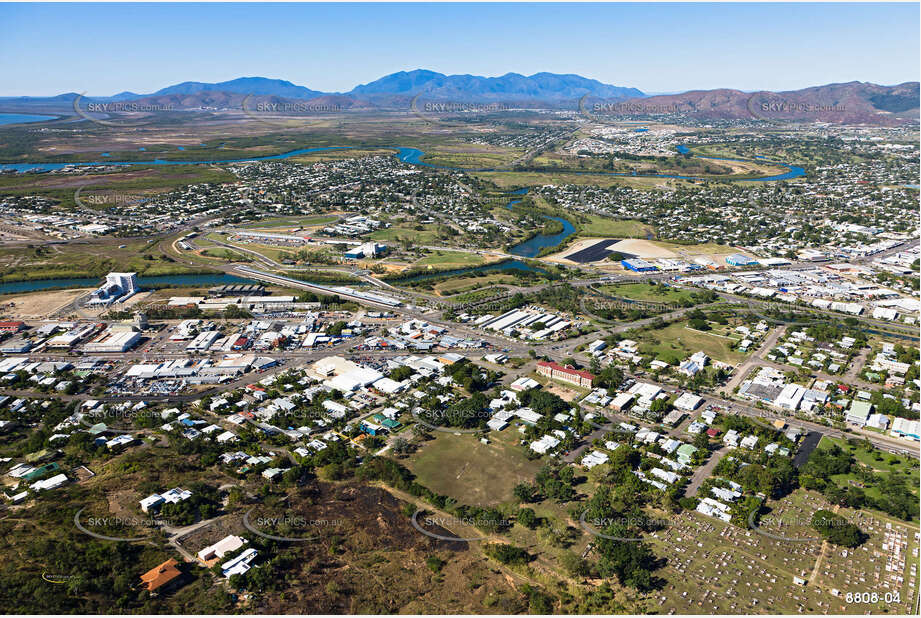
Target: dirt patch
{"x":37,"y":305}
{"x":563,"y":393}
{"x":642,"y":248}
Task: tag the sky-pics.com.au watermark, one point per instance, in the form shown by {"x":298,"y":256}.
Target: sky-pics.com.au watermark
{"x":598,"y":526}
{"x":116,"y":528}
{"x":438,"y":110}
{"x":284,"y":527}
{"x":615,"y":112}
{"x":94,"y":417}
{"x":118,"y":114}
{"x":60,"y":578}
{"x":95,"y":199}
{"x":768,"y":106}
{"x":286,"y":114}
{"x":419,"y":522}
{"x":790,"y":528}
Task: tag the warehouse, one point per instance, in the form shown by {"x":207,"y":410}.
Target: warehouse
{"x":114,"y":341}
{"x":638,"y":265}
{"x":737,"y":259}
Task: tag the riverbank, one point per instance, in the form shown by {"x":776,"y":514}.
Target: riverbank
{"x":192,"y":280}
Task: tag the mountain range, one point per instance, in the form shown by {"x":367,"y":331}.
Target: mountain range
{"x":848,"y":103}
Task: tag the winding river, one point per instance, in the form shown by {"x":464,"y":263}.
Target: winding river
{"x":413,"y":156}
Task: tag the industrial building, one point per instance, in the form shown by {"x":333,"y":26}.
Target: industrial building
{"x":239,"y":289}
{"x":737,"y":259}
{"x":638,"y":265}
{"x":114,"y":340}
{"x":367,"y":250}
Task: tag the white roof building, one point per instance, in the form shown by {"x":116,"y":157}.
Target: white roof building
{"x":688,"y":401}
{"x":228,"y":544}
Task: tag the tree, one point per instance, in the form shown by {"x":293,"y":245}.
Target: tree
{"x":836,"y":529}
{"x":401,"y":446}
{"x":702,"y":440}
{"x":525,"y":492}
{"x":507,"y":553}
{"x":527,"y":518}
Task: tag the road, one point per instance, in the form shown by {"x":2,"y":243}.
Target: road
{"x":703,"y":472}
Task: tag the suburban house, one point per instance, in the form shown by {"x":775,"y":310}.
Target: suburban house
{"x":161,"y":575}
{"x":226,"y":545}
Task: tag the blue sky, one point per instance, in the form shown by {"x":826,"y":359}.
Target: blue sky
{"x":107,"y":48}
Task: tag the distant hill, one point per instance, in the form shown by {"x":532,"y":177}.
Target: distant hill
{"x":511,"y":86}
{"x":243,"y":85}
{"x":850,"y":103}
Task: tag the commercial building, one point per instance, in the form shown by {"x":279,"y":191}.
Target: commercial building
{"x":859,"y":413}
{"x":114,"y":340}
{"x":555,"y":371}
{"x":367,"y":250}
{"x":688,"y":402}
{"x":638,"y":265}
{"x":238,"y":289}
{"x":118,"y":287}
{"x":904,"y":428}
{"x":737,"y":259}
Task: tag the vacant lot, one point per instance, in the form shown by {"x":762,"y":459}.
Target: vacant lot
{"x":474,"y":473}
{"x":90,"y":260}
{"x":457,"y":259}
{"x":38,"y":304}
{"x":644,"y":291}
{"x":616,"y":228}
{"x":429,"y":234}
{"x":676,"y":342}
{"x":290,"y":223}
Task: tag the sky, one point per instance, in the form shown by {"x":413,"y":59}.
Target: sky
{"x":103,"y":49}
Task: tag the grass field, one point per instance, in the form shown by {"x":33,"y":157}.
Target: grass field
{"x":471,"y":160}
{"x":676,"y":342}
{"x":601,"y":226}
{"x":474,"y":473}
{"x":429,"y":234}
{"x":338,"y":155}
{"x":269,"y":251}
{"x":291,"y":222}
{"x":644,"y":291}
{"x":889,"y":463}
{"x":94,"y":260}
{"x":457,"y":259}
{"x":140,"y":180}
{"x":456,"y":285}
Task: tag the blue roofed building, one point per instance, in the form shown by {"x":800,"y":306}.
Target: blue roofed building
{"x":737,"y":259}
{"x":638,"y":265}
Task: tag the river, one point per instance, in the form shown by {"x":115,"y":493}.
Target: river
{"x":19,"y":287}
{"x":23,"y":118}
{"x":413,"y":156}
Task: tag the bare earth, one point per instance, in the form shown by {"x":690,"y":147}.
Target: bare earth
{"x":633,"y":246}
{"x":37,"y":304}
